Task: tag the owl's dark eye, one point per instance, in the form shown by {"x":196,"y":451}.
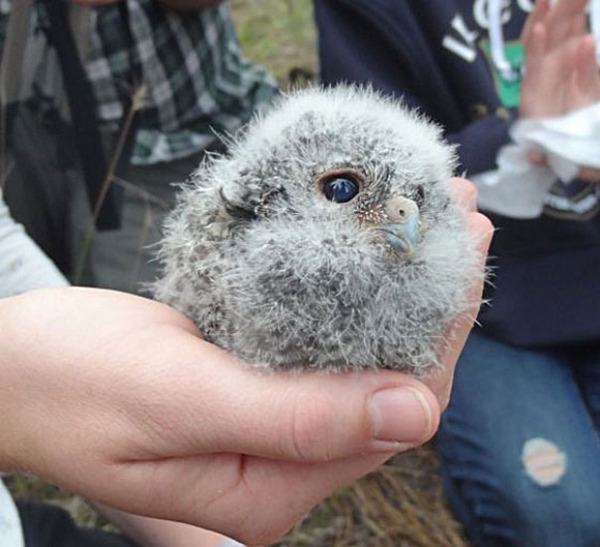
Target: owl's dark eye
{"x":340,"y":188}
{"x":420,"y":195}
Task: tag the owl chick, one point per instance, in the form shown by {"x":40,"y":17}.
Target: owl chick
{"x":326,"y":238}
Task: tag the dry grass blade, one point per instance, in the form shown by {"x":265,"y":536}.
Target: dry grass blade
{"x":136,"y":104}
{"x":401,"y":504}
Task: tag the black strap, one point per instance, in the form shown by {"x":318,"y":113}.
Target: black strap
{"x":135,"y":81}
{"x":82,"y":106}
{"x":45,"y":525}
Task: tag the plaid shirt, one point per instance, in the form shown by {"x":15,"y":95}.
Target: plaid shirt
{"x":197,"y":81}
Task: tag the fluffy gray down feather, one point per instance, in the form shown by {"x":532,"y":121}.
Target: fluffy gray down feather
{"x":272,"y":270}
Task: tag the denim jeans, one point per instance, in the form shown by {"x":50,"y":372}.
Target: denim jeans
{"x":519,"y":444}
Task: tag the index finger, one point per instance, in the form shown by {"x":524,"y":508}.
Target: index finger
{"x":441,"y":382}
{"x":540,"y":10}
{"x":464,"y":192}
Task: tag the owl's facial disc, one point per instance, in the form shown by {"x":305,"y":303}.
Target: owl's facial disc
{"x":402,"y":230}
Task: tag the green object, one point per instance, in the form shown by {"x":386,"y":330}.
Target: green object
{"x":508,"y":89}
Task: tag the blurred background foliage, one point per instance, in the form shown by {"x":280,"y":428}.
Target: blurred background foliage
{"x":278,"y":34}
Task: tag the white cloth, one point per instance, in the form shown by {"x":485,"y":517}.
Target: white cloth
{"x":23,"y":265}
{"x":518,"y":189}
{"x":11,"y":532}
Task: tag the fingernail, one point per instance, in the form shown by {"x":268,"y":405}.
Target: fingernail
{"x":400,"y":415}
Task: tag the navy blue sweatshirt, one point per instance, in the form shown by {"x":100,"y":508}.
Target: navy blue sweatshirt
{"x":436,"y":55}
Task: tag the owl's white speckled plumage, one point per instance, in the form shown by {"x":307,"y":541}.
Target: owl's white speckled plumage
{"x":273,"y":271}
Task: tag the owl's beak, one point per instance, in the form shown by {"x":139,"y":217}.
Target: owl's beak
{"x":402,"y":232}
{"x":403,"y":237}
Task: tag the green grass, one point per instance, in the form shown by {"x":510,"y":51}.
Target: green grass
{"x":278,"y":34}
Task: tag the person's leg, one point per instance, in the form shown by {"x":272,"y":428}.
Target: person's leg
{"x":124,"y":259}
{"x":587,"y":372}
{"x":518,"y":451}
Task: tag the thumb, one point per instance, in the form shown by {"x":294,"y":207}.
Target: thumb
{"x":220,"y":405}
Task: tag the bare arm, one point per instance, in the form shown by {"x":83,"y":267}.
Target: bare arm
{"x":562,"y":72}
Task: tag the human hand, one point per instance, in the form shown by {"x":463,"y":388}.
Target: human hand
{"x":561,"y":67}
{"x":585,"y":173}
{"x":563,"y":20}
{"x":117,"y":398}
{"x":440,"y":383}
{"x":561,"y":70}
